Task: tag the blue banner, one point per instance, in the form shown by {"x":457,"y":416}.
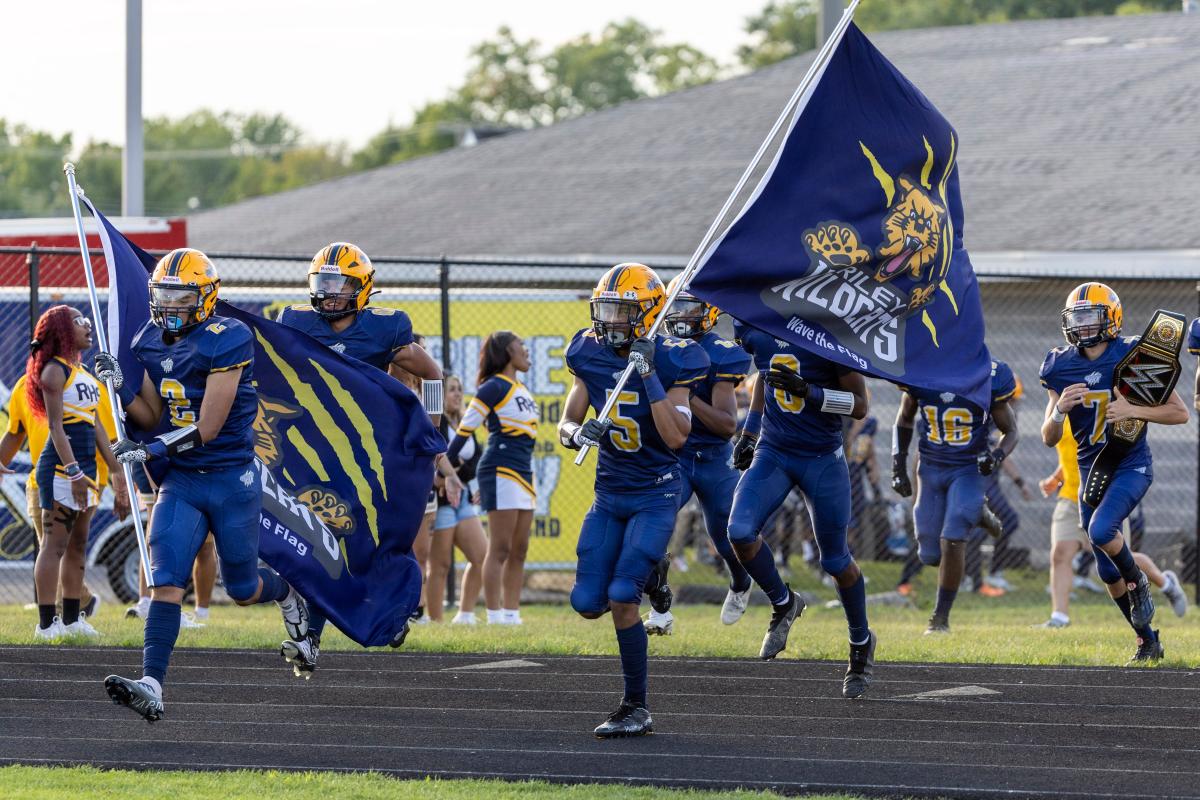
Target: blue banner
{"x":851,"y":246}
{"x":344,"y":453}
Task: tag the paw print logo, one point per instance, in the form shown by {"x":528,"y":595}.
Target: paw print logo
{"x":919,"y":297}
{"x":837,"y":245}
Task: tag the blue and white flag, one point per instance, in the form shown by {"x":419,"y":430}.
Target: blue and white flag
{"x":345,"y":456}
{"x":851,"y":245}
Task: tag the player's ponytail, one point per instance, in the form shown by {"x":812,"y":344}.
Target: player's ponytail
{"x":53,"y":336}
{"x":493,"y":355}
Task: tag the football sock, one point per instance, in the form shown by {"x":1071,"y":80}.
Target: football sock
{"x":912,"y":565}
{"x":1126,"y":607}
{"x":854,"y":603}
{"x":1126,"y":565}
{"x":70,"y":610}
{"x":46,"y":612}
{"x":274,"y":588}
{"x":739,"y":579}
{"x":316,"y":622}
{"x":945,"y":600}
{"x":633,"y":644}
{"x":764,"y":572}
{"x":162,"y":629}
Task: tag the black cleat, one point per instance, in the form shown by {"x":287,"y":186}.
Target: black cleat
{"x":862,"y":666}
{"x":302,"y":655}
{"x":991,"y":523}
{"x":937,"y":625}
{"x":136,"y":696}
{"x":1141,"y":604}
{"x":782,"y":617}
{"x":399,"y":638}
{"x":657,"y":589}
{"x":628,"y":720}
{"x":1148,"y":651}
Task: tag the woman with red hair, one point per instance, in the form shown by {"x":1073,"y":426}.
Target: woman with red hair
{"x":61,"y":390}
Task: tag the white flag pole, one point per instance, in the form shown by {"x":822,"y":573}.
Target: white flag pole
{"x":102,"y":343}
{"x":693,"y":265}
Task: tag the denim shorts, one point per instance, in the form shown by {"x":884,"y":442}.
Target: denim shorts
{"x":449,"y":516}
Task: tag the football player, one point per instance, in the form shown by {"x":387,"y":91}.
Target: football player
{"x":1193,"y":345}
{"x":798,"y":408}
{"x":623,"y":540}
{"x":955,"y":469}
{"x":706,"y":459}
{"x":1080,"y":382}
{"x":338,"y":315}
{"x":199,"y":371}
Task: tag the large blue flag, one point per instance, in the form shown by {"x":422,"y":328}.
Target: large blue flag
{"x":344,"y":452}
{"x":851,"y":246}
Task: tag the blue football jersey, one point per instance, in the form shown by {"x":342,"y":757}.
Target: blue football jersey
{"x":1193,"y":343}
{"x":727,"y":362}
{"x":373,"y":337}
{"x":180,"y":370}
{"x":1068,"y":365}
{"x":950,"y":430}
{"x":790,"y":423}
{"x":633,"y":457}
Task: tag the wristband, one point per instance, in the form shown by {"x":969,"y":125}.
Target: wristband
{"x":176,"y":442}
{"x":74,"y":471}
{"x":654,"y":388}
{"x":833,"y":401}
{"x":1056,"y":415}
{"x":566,"y":434}
{"x":432,"y":396}
{"x":127,"y":394}
{"x":999,"y":455}
{"x":753,"y":423}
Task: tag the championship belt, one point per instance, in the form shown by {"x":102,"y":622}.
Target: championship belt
{"x":1145,"y":377}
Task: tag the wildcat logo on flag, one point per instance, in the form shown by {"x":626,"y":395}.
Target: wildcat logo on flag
{"x":343,"y":497}
{"x":851,"y":244}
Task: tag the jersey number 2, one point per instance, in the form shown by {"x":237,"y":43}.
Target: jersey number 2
{"x":182,"y":414}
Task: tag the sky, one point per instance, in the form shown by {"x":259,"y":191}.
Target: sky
{"x":340,"y":69}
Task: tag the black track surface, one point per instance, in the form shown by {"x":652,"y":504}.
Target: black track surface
{"x":1041,"y":732}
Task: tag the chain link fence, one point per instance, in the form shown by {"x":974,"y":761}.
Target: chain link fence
{"x":455,"y":303}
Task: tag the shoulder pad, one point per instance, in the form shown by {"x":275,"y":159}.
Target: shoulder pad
{"x":300,"y":307}
{"x":1049,"y":363}
{"x":381,"y":311}
{"x":581,"y":344}
{"x":1004,"y":383}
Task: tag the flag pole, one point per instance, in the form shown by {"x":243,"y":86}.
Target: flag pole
{"x":102,"y":343}
{"x":693,"y":265}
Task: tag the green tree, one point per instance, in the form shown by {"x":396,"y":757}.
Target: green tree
{"x":31,"y":178}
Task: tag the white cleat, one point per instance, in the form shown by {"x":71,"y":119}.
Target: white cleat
{"x":81,"y":627}
{"x":302,"y":656}
{"x":186,"y":620}
{"x":735,"y":605}
{"x":659,"y":624}
{"x":295,"y":615}
{"x":1175,"y":593}
{"x":55,"y":632}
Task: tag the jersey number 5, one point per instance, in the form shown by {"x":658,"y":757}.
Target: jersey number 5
{"x":785,"y":400}
{"x":182,"y":414}
{"x":625,"y":434}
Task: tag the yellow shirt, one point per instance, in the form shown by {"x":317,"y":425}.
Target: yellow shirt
{"x":21,"y":419}
{"x":1068,"y":459}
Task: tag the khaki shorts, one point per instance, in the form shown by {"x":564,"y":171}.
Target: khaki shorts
{"x":1064,"y":526}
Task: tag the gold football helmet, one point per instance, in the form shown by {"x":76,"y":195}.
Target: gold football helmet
{"x":183,"y":290}
{"x":340,"y":279}
{"x":1092,"y":315}
{"x":625,"y":303}
{"x":689,"y":315}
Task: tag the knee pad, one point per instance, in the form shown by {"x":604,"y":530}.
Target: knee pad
{"x":624,"y":590}
{"x":588,"y":599}
{"x":242,"y":590}
{"x":742,"y":532}
{"x":836,"y":565}
{"x":1101,"y":535}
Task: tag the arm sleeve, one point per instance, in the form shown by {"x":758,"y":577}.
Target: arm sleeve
{"x":482,"y":404}
{"x":230,"y":349}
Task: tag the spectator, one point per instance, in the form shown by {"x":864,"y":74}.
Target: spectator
{"x":457,"y":525}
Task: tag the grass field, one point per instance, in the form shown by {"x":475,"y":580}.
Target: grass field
{"x":52,"y":783}
{"x":984,"y":630}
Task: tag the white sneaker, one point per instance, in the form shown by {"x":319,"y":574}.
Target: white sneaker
{"x":659,"y":624}
{"x":735,"y":605}
{"x":422,"y":620}
{"x":464,"y":618}
{"x":1175,"y":593}
{"x":54,"y":632}
{"x":1087,"y":584}
{"x":996,"y":581}
{"x":81,"y":627}
{"x":186,"y":620}
{"x":295,"y":615}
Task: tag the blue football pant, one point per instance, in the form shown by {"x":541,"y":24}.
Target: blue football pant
{"x":622,"y":539}
{"x":1104,"y":521}
{"x":825,"y":482}
{"x":949,"y":505}
{"x":192,"y":503}
{"x":710,"y":475}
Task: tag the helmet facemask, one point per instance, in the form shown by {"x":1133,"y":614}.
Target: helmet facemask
{"x":176,"y":307}
{"x":616,"y":322}
{"x":1088,"y":325}
{"x":689,"y":317}
{"x":334,"y":295}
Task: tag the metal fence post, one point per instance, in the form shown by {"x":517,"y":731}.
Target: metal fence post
{"x":444,"y":294}
{"x":33,"y":261}
{"x":1196,"y":520}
